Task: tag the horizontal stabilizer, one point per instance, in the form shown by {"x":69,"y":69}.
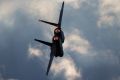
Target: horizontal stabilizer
{"x":46,"y":43}
{"x":54,"y":24}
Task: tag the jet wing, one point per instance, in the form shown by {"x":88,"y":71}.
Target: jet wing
{"x":54,"y":24}
{"x":50,"y":62}
{"x":46,"y":43}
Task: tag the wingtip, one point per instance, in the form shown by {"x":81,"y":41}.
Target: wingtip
{"x":47,"y":73}
{"x":39,"y":20}
{"x":63,"y":2}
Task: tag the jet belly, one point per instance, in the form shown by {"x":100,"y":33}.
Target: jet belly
{"x":53,"y":49}
{"x":58,"y":49}
{"x":62,"y":37}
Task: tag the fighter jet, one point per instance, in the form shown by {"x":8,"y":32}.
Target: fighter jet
{"x":57,"y":40}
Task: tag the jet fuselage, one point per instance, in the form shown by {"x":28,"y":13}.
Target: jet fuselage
{"x":58,"y":40}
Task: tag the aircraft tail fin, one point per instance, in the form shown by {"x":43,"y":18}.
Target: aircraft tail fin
{"x":60,"y":18}
{"x":46,"y":43}
{"x":54,"y":24}
{"x":61,"y":14}
{"x":50,"y":62}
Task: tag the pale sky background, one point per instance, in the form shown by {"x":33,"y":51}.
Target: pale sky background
{"x":91,"y":48}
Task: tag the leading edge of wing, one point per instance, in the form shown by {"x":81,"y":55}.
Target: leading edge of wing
{"x":50,"y":62}
{"x":61,"y":15}
{"x":44,"y":42}
{"x":50,"y":23}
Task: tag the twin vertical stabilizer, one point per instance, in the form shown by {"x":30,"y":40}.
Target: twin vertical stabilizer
{"x":60,"y":18}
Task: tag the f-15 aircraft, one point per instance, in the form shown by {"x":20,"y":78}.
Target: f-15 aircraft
{"x":57,"y":40}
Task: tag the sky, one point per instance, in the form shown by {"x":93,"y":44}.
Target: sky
{"x":91,"y":47}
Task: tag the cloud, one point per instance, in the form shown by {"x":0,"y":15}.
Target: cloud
{"x":73,"y":3}
{"x":116,"y":78}
{"x":1,"y":78}
{"x":41,"y":8}
{"x":7,"y":9}
{"x":109,"y":12}
{"x":75,"y":42}
{"x":7,"y":79}
{"x":67,"y":67}
{"x":108,"y":57}
{"x":76,"y":4}
{"x":34,"y":52}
